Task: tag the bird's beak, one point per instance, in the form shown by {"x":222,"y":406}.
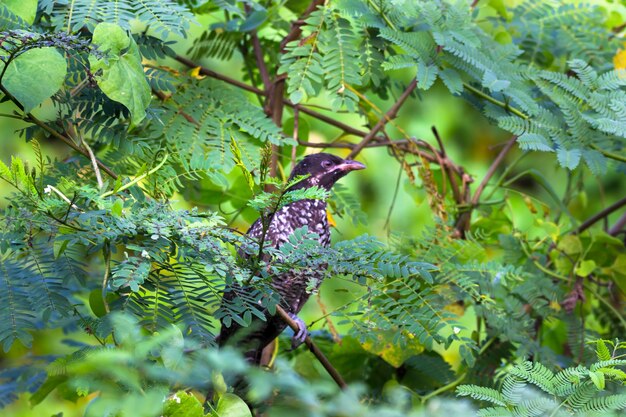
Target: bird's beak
{"x":349,"y":165}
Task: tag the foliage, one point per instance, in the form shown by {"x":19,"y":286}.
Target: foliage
{"x":530,"y":389}
{"x":500,"y":292}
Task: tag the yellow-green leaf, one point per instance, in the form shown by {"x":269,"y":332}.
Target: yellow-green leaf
{"x":570,"y":244}
{"x":26,"y":9}
{"x":585,"y":267}
{"x":230,"y":405}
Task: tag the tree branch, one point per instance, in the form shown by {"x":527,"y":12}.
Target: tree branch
{"x":314,"y":349}
{"x":326,"y":119}
{"x":29,"y":117}
{"x":618,"y":226}
{"x":258,"y":53}
{"x":492,"y":169}
{"x":69,"y":142}
{"x":462,"y":224}
{"x":391,"y":114}
{"x":600,"y":215}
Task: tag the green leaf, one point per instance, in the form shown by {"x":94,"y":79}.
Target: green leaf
{"x":426,"y":75}
{"x":97,"y":303}
{"x":570,"y":244}
{"x":26,"y":9}
{"x":46,"y":388}
{"x":121,"y":78}
{"x":117,"y":207}
{"x":568,"y":158}
{"x":183,"y":404}
{"x":296,"y":96}
{"x":34,"y":76}
{"x":500,"y":7}
{"x":585,"y":267}
{"x":230,"y":405}
{"x":254,"y":20}
{"x":597,"y":378}
{"x":602,"y":351}
{"x":452,"y":80}
{"x":493,"y":83}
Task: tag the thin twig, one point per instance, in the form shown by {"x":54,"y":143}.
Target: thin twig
{"x":326,"y":119}
{"x":336,"y":376}
{"x":296,"y":137}
{"x":94,"y":162}
{"x":107,"y":272}
{"x":391,"y":114}
{"x":29,"y":117}
{"x":463,"y":221}
{"x":258,"y":53}
{"x":296,"y":26}
{"x":439,"y":141}
{"x":600,"y":215}
{"x":136,"y":180}
{"x":52,"y":188}
{"x":492,"y":169}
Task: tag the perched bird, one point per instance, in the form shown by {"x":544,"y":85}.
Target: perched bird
{"x":322,"y":170}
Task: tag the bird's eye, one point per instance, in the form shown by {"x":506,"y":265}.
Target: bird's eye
{"x":326,"y":164}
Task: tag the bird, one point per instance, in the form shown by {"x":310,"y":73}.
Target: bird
{"x":319,"y":170}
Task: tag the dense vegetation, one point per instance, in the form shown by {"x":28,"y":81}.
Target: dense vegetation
{"x":481,"y":254}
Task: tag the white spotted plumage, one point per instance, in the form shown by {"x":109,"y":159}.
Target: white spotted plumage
{"x":310,"y":213}
{"x":293,"y":287}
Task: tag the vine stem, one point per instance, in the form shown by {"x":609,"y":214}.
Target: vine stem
{"x":492,"y":100}
{"x":608,"y":154}
{"x":136,"y":180}
{"x":335,"y":375}
{"x":94,"y":163}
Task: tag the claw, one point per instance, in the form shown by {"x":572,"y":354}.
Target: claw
{"x":301,"y":334}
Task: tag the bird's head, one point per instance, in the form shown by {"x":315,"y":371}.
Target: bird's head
{"x":323,"y":170}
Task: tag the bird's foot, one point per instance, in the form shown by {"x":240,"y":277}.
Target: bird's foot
{"x":301,"y":334}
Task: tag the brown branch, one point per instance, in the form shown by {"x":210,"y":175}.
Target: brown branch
{"x":600,"y":215}
{"x":69,"y":142}
{"x":258,"y":53}
{"x":275,"y":105}
{"x":618,"y":226}
{"x":462,"y":224}
{"x":163,"y":97}
{"x":456,"y":191}
{"x":492,"y":169}
{"x":296,"y":26}
{"x":217,"y":76}
{"x":314,"y":349}
{"x":391,"y":114}
{"x":326,"y":119}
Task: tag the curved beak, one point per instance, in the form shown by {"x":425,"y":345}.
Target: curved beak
{"x":349,"y":165}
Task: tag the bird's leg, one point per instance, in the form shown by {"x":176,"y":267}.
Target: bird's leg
{"x":301,"y":334}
